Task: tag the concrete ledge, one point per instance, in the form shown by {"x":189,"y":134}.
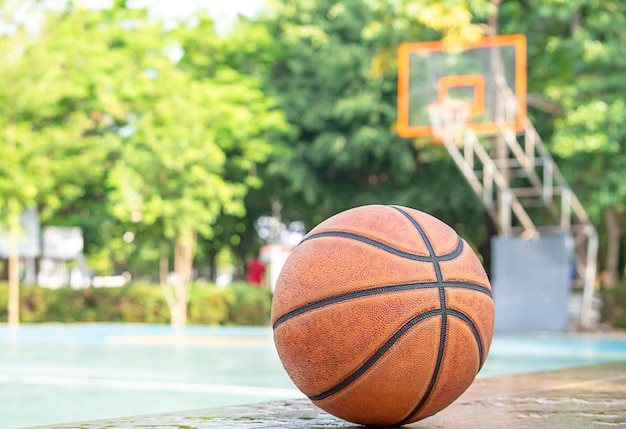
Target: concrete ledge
{"x":586,"y":397}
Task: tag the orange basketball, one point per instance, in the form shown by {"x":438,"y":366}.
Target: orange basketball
{"x":382,"y":315}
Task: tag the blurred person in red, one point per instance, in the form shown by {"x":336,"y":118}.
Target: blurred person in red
{"x":255,"y":270}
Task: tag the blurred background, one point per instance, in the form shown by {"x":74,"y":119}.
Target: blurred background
{"x":159,"y":160}
{"x":157,"y":143}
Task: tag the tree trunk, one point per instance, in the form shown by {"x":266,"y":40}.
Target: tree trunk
{"x":13,"y":307}
{"x":492,"y":21}
{"x":614,"y":230}
{"x":164,"y":263}
{"x":184,"y":252}
{"x":577,"y":21}
{"x":178,"y":314}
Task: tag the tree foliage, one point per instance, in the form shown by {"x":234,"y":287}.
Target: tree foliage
{"x":52,"y":149}
{"x":153,"y":137}
{"x":173,"y":150}
{"x":334,"y":75}
{"x":576,"y":60}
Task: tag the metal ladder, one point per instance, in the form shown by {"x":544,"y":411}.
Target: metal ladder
{"x":526,"y":194}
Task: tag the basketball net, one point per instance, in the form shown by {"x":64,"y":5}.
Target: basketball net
{"x":448,"y":119}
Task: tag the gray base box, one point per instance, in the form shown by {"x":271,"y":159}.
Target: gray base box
{"x":531,"y":281}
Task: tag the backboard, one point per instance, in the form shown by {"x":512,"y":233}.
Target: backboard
{"x":489,"y":75}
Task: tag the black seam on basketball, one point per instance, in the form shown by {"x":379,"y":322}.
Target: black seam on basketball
{"x":422,"y":233}
{"x":385,"y":247}
{"x":376,"y":291}
{"x":440,"y":284}
{"x":376,"y":356}
{"x":444,"y":312}
{"x":465,"y":318}
{"x":433,"y":379}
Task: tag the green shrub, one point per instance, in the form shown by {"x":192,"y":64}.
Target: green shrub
{"x":209,"y":305}
{"x":251,"y":305}
{"x":104,"y":304}
{"x":140,"y":302}
{"x":143,"y":303}
{"x":614,"y":305}
{"x":4,"y":290}
{"x":34,"y":304}
{"x":65,"y":304}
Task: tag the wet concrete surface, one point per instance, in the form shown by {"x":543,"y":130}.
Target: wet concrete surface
{"x":586,"y":397}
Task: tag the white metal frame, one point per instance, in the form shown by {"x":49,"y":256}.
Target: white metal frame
{"x":488,"y":176}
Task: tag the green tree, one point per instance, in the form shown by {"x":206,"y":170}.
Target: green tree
{"x":590,"y":136}
{"x":342,"y":110}
{"x":332,"y":67}
{"x":99,"y":112}
{"x":250,"y":50}
{"x":576,"y":86}
{"x":52,"y":145}
{"x":191,"y":147}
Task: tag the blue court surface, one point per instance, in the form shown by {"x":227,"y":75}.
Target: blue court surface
{"x":66,"y":373}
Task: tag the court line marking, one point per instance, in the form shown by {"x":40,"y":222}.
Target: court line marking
{"x":168,"y":340}
{"x":169,"y":386}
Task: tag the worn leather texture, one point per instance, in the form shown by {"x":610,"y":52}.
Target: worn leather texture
{"x":382,"y":315}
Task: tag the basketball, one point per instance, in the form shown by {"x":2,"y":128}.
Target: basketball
{"x":382,"y":315}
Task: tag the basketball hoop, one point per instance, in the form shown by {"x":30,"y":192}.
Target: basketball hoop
{"x":448,"y":119}
{"x":467,"y":75}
